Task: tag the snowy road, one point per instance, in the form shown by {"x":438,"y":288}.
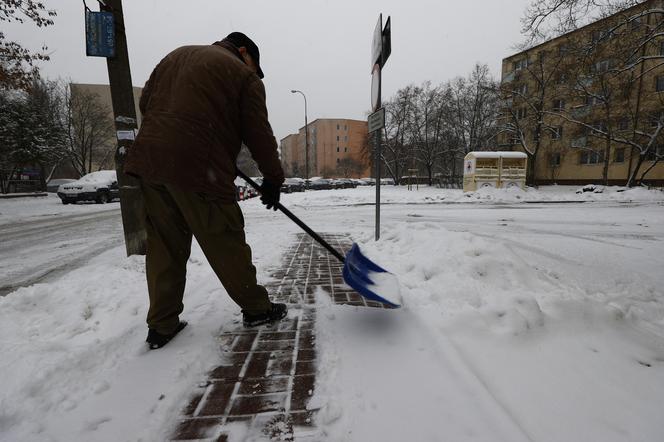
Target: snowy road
{"x":41,"y":250}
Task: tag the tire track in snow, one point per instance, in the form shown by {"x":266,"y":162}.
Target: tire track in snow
{"x":13,"y":232}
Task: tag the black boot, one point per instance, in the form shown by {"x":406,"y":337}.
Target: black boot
{"x":277,"y":312}
{"x":156,"y":340}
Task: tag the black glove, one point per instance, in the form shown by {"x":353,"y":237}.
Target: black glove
{"x":270,"y":194}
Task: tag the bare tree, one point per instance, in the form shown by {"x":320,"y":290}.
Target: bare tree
{"x":396,"y":148}
{"x":428,"y":128}
{"x":89,"y":129}
{"x":349,"y":167}
{"x":473,"y":113}
{"x":546,"y":19}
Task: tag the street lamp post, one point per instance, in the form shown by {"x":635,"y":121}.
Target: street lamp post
{"x":306,"y":136}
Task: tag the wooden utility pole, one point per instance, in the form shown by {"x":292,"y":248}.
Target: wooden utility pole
{"x":126,"y":125}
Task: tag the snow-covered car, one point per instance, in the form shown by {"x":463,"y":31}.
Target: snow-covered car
{"x":54,"y":185}
{"x":101,"y":187}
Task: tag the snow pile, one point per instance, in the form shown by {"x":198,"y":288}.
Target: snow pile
{"x":434,"y":195}
{"x":493,"y":343}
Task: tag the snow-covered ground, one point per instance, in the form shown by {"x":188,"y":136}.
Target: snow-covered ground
{"x":521,"y":321}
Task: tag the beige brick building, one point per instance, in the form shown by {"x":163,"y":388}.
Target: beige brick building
{"x":588,"y":106}
{"x":337,"y":148}
{"x":103,"y":92}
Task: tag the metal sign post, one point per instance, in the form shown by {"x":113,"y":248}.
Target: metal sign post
{"x":381,"y":47}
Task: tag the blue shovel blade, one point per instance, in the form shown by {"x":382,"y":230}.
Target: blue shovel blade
{"x":370,"y":280}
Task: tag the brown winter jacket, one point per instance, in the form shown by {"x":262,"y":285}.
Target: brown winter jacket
{"x":199,"y":105}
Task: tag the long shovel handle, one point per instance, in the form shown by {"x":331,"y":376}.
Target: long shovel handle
{"x":297,"y":221}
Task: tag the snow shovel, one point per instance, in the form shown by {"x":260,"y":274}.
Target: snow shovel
{"x":367,"y":278}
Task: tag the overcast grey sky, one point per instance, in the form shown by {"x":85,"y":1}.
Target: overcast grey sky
{"x":321,"y":47}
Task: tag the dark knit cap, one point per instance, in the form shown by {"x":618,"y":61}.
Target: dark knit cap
{"x":239,"y":40}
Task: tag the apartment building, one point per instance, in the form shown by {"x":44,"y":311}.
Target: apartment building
{"x":588,"y":106}
{"x":337,"y":148}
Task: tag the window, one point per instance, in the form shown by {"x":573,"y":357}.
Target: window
{"x":557,"y":133}
{"x":636,"y":23}
{"x":601,"y":66}
{"x":656,"y":119}
{"x":561,"y":78}
{"x":337,"y":160}
{"x":521,"y":113}
{"x":619,"y":155}
{"x":661,"y":47}
{"x":521,"y":89}
{"x":563,"y":49}
{"x":599,"y":127}
{"x":601,"y":34}
{"x":623,"y":124}
{"x":345,"y":149}
{"x":654,"y":152}
{"x":554,"y":159}
{"x":337,"y":148}
{"x":593,"y":100}
{"x":558,"y":105}
{"x":659,"y":83}
{"x":337,"y":127}
{"x":337,"y":137}
{"x":345,"y":127}
{"x":520,"y":64}
{"x":346,"y":138}
{"x":591,"y":157}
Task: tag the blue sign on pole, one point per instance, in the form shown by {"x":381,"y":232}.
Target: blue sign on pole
{"x":99,"y":34}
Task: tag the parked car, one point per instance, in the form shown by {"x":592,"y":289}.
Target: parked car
{"x":359,"y":182}
{"x":241,"y":189}
{"x":54,"y":185}
{"x":321,"y":184}
{"x":101,"y":187}
{"x":292,"y":185}
{"x":347,"y":183}
{"x":369,"y":181}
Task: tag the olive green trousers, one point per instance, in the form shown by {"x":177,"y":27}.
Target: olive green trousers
{"x":173,"y":216}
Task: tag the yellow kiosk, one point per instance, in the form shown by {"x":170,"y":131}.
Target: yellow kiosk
{"x":494,"y":169}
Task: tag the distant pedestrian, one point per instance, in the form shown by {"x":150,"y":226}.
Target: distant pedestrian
{"x":199,"y":106}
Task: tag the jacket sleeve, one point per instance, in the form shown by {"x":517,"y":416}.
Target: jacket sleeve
{"x":257,"y":132}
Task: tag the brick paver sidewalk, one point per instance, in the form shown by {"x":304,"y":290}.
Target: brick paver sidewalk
{"x":268,"y":374}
